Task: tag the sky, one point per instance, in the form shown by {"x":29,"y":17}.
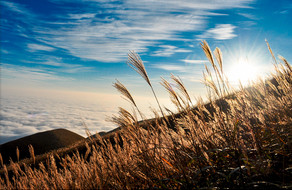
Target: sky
{"x":54,"y":47}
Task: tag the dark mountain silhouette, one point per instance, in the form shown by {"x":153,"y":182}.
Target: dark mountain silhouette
{"x":42,"y":142}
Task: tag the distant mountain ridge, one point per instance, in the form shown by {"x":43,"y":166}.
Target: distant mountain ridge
{"x":42,"y":142}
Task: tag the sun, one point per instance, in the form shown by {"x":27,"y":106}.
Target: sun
{"x":242,"y":70}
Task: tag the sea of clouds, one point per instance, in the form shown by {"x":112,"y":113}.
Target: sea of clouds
{"x":25,"y":115}
{"x":28,"y":111}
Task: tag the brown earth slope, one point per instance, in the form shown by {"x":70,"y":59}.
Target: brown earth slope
{"x":42,"y":142}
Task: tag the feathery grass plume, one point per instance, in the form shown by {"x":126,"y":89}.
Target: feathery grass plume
{"x":125,"y":118}
{"x":124,"y":91}
{"x":88,"y":134}
{"x":219,"y":58}
{"x":205,"y":78}
{"x":286,"y":64}
{"x":209,"y":82}
{"x":181,"y":87}
{"x":223,"y":80}
{"x":31,"y":152}
{"x":206,"y":48}
{"x":127,"y":95}
{"x":218,"y":73}
{"x":168,"y":111}
{"x":173,"y":95}
{"x":17,"y":154}
{"x":275,"y":61}
{"x":7,"y":177}
{"x":15,"y":168}
{"x":135,"y":62}
{"x":87,"y":151}
{"x":1,"y":160}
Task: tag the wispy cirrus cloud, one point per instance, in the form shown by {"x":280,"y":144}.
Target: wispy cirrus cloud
{"x":181,"y":68}
{"x":168,"y":50}
{"x":15,"y":7}
{"x":249,"y":16}
{"x":81,"y":16}
{"x":192,"y":61}
{"x":105,"y":30}
{"x":220,"y":32}
{"x":39,"y":47}
{"x":22,"y":73}
{"x":171,"y":67}
{"x":57,"y":75}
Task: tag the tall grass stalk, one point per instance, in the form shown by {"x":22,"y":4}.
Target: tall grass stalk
{"x":135,"y":62}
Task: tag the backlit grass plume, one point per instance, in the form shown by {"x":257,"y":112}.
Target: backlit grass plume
{"x":135,"y":62}
{"x":124,"y":91}
{"x":174,"y":97}
{"x":219,"y":84}
{"x":181,"y":87}
{"x":270,"y":50}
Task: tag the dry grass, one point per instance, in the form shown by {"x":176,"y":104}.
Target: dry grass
{"x":135,"y":62}
{"x":239,"y":140}
{"x":40,"y":143}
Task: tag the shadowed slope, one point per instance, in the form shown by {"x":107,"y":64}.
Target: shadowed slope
{"x":41,"y":142}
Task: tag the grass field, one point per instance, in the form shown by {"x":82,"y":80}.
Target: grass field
{"x":241,"y":139}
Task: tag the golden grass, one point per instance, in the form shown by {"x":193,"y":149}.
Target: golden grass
{"x":135,"y":62}
{"x":239,"y":140}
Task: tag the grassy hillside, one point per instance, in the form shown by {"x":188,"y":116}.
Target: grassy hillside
{"x":239,"y":140}
{"x":41,"y":142}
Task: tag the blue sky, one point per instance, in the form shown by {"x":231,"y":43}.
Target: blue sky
{"x":82,"y":45}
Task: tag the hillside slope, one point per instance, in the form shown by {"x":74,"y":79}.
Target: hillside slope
{"x":41,"y":142}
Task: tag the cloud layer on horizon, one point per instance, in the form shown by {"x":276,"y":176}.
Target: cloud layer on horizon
{"x":22,"y":116}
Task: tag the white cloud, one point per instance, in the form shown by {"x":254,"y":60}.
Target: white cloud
{"x":168,"y":67}
{"x":50,"y":63}
{"x":22,"y":116}
{"x":59,"y":76}
{"x":15,"y":7}
{"x":21,"y":73}
{"x":81,"y":16}
{"x":220,"y":32}
{"x":4,"y":51}
{"x":284,"y":12}
{"x":73,"y":68}
{"x":38,"y":47}
{"x":110,"y":42}
{"x":106,"y":31}
{"x":168,"y":50}
{"x":249,"y":16}
{"x":190,"y":69}
{"x":191,"y":61}
{"x":247,"y":24}
{"x":169,"y":5}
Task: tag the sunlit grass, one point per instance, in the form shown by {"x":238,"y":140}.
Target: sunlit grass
{"x":240,"y":139}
